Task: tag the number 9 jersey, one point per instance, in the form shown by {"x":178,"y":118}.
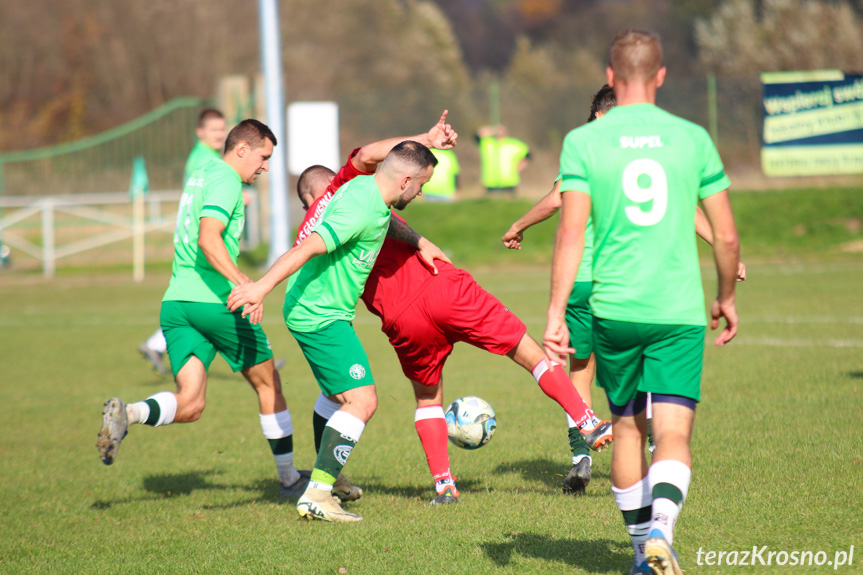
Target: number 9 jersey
{"x":645,"y":170}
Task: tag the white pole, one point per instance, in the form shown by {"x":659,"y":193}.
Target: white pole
{"x":271,"y":65}
{"x":49,"y":261}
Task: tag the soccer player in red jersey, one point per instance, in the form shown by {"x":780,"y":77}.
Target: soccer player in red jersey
{"x":427,"y":305}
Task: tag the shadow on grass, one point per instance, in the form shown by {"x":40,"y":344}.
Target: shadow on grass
{"x":601,"y":555}
{"x":856,"y":374}
{"x":543,"y":470}
{"x":413,"y":491}
{"x":180,"y":484}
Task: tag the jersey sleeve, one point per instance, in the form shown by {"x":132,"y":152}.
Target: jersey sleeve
{"x":573,"y":171}
{"x":220,"y":198}
{"x":347,"y":172}
{"x":344,"y":219}
{"x":713,"y":177}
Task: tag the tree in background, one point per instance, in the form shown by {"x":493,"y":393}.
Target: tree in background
{"x":741,"y":40}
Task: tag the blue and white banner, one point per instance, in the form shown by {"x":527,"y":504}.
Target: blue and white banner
{"x":813,"y":123}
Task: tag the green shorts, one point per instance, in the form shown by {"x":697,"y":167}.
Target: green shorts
{"x":579,"y":320}
{"x":202,"y":329}
{"x":336,"y":356}
{"x":633,"y":357}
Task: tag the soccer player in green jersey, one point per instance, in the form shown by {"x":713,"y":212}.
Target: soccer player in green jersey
{"x":638,"y":175}
{"x":331,"y":267}
{"x":211,"y":139}
{"x":582,"y":364}
{"x":195,"y":319}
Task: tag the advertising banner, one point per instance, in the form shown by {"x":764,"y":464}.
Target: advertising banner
{"x":813,"y":123}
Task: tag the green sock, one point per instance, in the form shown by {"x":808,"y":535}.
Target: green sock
{"x":332,"y":456}
{"x":319,"y":422}
{"x":577,"y":443}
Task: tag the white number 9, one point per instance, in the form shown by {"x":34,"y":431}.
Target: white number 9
{"x":656,"y":190}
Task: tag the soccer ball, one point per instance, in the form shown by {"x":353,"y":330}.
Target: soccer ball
{"x":470,"y":422}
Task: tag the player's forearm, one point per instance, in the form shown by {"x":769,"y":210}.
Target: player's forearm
{"x":373,"y":154}
{"x":541,"y":211}
{"x":401,"y":232}
{"x":217,"y":256}
{"x":702,"y":226}
{"x":726,"y":253}
{"x":292,"y":260}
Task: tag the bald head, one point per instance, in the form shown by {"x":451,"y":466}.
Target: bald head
{"x":635,"y":55}
{"x":313,"y":183}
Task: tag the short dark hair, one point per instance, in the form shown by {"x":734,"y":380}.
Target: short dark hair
{"x":602,"y":102}
{"x":414,"y":154}
{"x":311,"y":177}
{"x":208,"y":113}
{"x":635,"y":54}
{"x":251,"y":131}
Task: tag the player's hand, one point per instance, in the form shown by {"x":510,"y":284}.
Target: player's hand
{"x":429,"y":252}
{"x":555,"y":343}
{"x":729,"y":312}
{"x":442,"y":136}
{"x":741,"y":271}
{"x":256,"y":316}
{"x":250,"y":296}
{"x":512,"y":239}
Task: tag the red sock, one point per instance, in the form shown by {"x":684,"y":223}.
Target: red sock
{"x":557,"y":386}
{"x":431,"y":427}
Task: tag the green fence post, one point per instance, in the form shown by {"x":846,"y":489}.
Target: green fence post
{"x":712,"y":112}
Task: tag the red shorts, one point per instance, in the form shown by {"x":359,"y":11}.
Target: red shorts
{"x":455,"y":308}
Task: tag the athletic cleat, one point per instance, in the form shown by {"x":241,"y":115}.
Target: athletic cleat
{"x":297,"y":487}
{"x":115,"y":425}
{"x":343,"y":489}
{"x":154,"y":357}
{"x":660,"y":556}
{"x":447,"y":496}
{"x":599,"y":437}
{"x":641,"y":569}
{"x":321,"y":505}
{"x":578,"y":477}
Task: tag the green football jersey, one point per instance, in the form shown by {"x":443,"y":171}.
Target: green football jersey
{"x":214,"y":191}
{"x":199,"y":157}
{"x":327,"y":288}
{"x":585,"y":268}
{"x":645,"y":171}
{"x":500,"y":158}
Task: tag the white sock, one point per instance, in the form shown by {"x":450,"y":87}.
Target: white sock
{"x":577,"y":458}
{"x":167,"y":402}
{"x":631,"y":500}
{"x":673,"y":479}
{"x":157,"y":342}
{"x":325,"y":407}
{"x":324,"y":486}
{"x":278,"y":426}
{"x":137,"y":412}
{"x":350,"y":426}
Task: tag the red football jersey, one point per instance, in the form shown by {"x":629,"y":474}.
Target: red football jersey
{"x":346,"y":173}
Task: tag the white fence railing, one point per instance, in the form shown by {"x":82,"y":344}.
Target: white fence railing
{"x":146,"y":216}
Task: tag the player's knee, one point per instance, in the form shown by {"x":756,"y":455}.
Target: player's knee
{"x":190,"y":411}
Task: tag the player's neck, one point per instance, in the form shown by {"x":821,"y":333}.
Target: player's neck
{"x":635,"y":93}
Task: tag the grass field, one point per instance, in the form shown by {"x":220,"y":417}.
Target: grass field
{"x":778,"y":443}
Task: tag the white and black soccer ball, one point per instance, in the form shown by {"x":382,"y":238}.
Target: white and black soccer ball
{"x":470,"y":422}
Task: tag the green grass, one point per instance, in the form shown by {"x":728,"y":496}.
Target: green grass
{"x":778,"y":445}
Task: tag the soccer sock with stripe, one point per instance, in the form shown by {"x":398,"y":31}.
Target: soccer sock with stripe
{"x":279,"y":431}
{"x":669,"y":484}
{"x":431,"y":427}
{"x":324,"y":410}
{"x":577,"y":444}
{"x":555,"y":384}
{"x":341,"y":434}
{"x":158,"y":409}
{"x":634,"y":504}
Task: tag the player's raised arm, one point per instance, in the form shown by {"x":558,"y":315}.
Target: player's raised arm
{"x":541,"y":211}
{"x":726,"y":252}
{"x":568,"y":249}
{"x":252,"y":294}
{"x":441,"y":136}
